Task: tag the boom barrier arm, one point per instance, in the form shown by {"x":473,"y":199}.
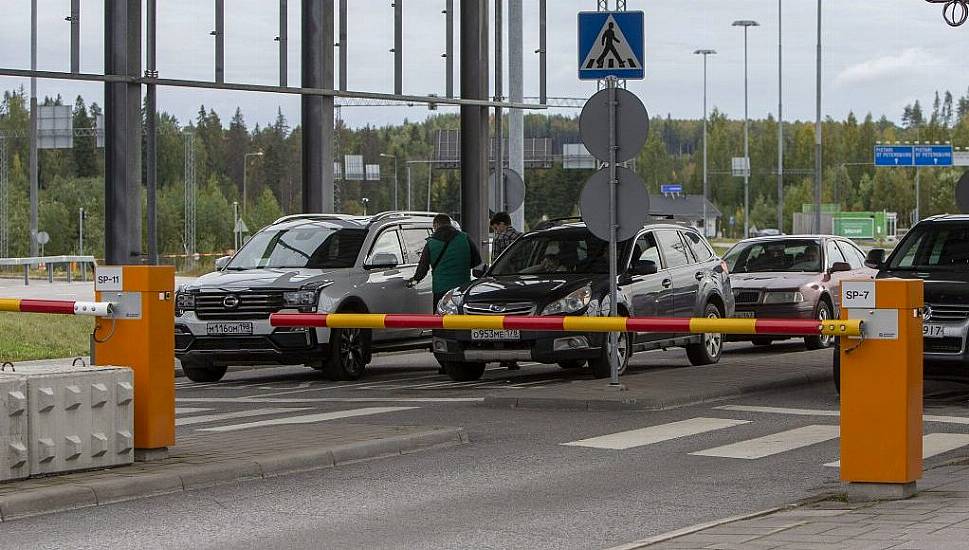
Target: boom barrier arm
{"x":57,"y":307}
{"x":787,"y":327}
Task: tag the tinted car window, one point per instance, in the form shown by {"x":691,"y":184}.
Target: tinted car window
{"x":647,"y":249}
{"x":309,"y":246}
{"x":834,"y":254}
{"x":674,"y":250}
{"x":855,"y":258}
{"x":557,"y":251}
{"x":785,"y":256}
{"x":388,"y":243}
{"x":943,"y":245}
{"x":414,"y":241}
{"x":700,"y":248}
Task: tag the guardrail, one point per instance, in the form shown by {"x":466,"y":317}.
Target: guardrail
{"x":786,"y":327}
{"x":51,"y":261}
{"x":57,"y":307}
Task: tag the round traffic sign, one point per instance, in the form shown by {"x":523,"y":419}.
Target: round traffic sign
{"x":632,"y":125}
{"x":43,"y":237}
{"x":962,"y":193}
{"x":632,"y":204}
{"x":514,"y":192}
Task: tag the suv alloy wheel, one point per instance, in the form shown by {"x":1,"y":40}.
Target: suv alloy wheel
{"x":349,"y":354}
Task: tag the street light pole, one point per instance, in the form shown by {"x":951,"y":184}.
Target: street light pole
{"x":706,"y":184}
{"x":780,"y":116}
{"x":817,"y":138}
{"x":245,"y":166}
{"x":746,"y":24}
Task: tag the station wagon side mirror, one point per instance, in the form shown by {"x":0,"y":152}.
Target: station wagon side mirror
{"x":875,"y":258}
{"x":480,"y":271}
{"x":839,"y":267}
{"x":643,"y":267}
{"x":382,"y":260}
{"x":222,"y":262}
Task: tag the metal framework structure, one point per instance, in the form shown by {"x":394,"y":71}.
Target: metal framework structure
{"x":191,"y":197}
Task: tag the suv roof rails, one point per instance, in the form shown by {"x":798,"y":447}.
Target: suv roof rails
{"x":392,"y":214}
{"x":555,"y":222}
{"x":321,"y":217}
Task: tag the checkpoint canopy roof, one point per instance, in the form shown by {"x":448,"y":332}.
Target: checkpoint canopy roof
{"x":681,"y":207}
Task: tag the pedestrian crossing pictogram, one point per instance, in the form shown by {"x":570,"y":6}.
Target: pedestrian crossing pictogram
{"x":611,"y":44}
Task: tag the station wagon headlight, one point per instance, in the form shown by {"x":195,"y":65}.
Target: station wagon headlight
{"x":783,"y":298}
{"x":300,"y":299}
{"x":572,"y":303}
{"x":450,"y":304}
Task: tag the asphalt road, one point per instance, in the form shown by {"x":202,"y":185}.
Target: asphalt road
{"x":515,"y":486}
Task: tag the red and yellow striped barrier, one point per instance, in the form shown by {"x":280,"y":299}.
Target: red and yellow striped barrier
{"x":786,"y":327}
{"x":56,"y":307}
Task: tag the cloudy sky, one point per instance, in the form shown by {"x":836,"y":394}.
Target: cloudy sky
{"x":878,"y":54}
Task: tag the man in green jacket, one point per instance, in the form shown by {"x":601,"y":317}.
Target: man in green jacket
{"x":450,"y":255}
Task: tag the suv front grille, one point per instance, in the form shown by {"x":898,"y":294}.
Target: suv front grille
{"x":943,"y":345}
{"x":947,"y":313}
{"x":514,"y":308}
{"x":747,"y":296}
{"x":250,"y":305}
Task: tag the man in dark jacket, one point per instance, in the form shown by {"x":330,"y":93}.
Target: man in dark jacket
{"x":505,"y":233}
{"x":450,"y":255}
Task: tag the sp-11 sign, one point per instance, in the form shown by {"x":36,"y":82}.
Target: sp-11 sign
{"x":858,"y":295}
{"x":109,"y":278}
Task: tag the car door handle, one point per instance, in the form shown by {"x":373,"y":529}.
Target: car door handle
{"x":699,"y":276}
{"x":667,"y":283}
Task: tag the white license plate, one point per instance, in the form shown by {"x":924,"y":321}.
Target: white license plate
{"x":228,"y":329}
{"x":744,"y":314}
{"x":938,"y":331}
{"x":488,"y":334}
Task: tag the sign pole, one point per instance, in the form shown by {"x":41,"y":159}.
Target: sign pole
{"x":613,"y":247}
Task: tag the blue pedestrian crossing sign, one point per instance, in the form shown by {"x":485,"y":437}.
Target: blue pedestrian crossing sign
{"x":612,"y":43}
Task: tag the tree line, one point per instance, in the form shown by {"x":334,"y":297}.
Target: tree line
{"x":73,"y":178}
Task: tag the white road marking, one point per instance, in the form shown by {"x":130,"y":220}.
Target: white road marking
{"x":190,"y":410}
{"x":297,"y":400}
{"x":824,"y":412}
{"x":656,"y":434}
{"x":342,"y":386}
{"x":773,"y":444}
{"x":204,"y":419}
{"x":308,"y":419}
{"x":932,"y":444}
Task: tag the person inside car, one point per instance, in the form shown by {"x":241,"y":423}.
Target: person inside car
{"x":809,"y":260}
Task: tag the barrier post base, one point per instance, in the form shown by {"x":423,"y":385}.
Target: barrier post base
{"x":151,"y":455}
{"x":867,"y":492}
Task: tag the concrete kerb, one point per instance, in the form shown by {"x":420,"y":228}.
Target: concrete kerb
{"x":112,"y":488}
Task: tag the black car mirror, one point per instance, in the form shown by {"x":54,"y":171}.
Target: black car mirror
{"x":643,"y":267}
{"x":480,"y":271}
{"x":382,"y":260}
{"x":875,"y":258}
{"x":839,"y":267}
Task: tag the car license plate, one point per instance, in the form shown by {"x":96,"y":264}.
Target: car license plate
{"x":229,"y":329}
{"x":493,"y":335}
{"x":744,"y":314}
{"x":937,"y":331}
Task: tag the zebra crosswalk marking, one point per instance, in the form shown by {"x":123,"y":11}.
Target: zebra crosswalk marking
{"x":205,"y":419}
{"x":932,"y":445}
{"x":776,"y":443}
{"x":308,"y":418}
{"x":655,"y":434}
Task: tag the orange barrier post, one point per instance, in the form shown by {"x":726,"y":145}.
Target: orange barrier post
{"x":881,"y":389}
{"x":140,"y":334}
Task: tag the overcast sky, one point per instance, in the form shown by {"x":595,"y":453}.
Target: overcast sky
{"x":878,"y":54}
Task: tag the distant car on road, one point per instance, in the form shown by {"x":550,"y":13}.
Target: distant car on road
{"x":666,"y":271}
{"x":305,"y":263}
{"x":793,"y":277}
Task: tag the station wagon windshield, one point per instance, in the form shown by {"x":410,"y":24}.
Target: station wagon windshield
{"x":555,"y":252}
{"x":308,"y":246}
{"x":795,"y":256}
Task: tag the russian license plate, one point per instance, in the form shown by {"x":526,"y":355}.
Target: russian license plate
{"x":228,"y":329}
{"x":495,"y":335}
{"x":744,"y":314}
{"x":935,"y":331}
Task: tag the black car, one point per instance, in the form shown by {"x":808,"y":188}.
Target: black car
{"x":937,"y":251}
{"x":666,"y":271}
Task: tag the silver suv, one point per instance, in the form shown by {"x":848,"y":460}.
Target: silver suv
{"x":305,"y":263}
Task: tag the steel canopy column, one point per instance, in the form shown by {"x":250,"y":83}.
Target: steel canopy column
{"x":75,"y":36}
{"x":474,"y":119}
{"x":122,"y":117}
{"x":516,"y":117}
{"x":283,"y":40}
{"x":151,"y":138}
{"x":219,"y":33}
{"x":34,"y":127}
{"x":317,"y":111}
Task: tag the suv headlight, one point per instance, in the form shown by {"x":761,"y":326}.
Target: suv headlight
{"x":450,"y":304}
{"x":300,"y":299}
{"x":783,"y":298}
{"x":184,"y":301}
{"x":572,"y":303}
